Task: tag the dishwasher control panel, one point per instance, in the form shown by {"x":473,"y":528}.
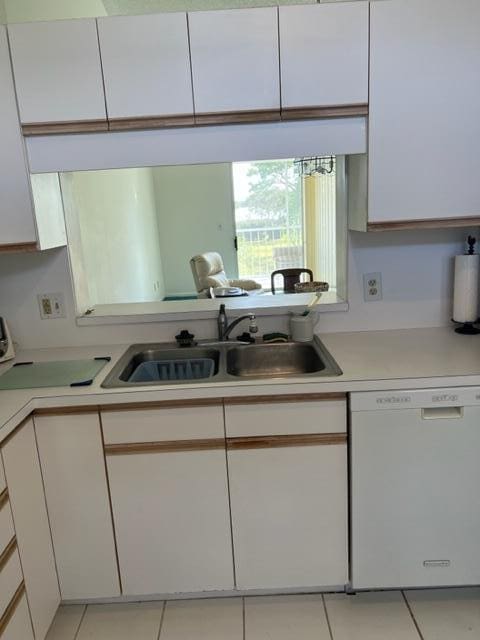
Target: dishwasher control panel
{"x":414,"y":399}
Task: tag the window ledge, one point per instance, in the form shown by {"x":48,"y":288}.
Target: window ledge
{"x":206,"y":308}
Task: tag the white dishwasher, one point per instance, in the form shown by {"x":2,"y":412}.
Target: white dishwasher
{"x":415,"y":488}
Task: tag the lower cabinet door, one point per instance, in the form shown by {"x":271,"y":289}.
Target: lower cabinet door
{"x":27,"y":500}
{"x":73,"y":466}
{"x":289,"y":516}
{"x":18,"y":626}
{"x":172,"y":523}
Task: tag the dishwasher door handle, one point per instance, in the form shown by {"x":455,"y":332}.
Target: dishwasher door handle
{"x":441,"y":413}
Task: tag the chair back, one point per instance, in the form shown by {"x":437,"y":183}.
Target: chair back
{"x":290,"y":278}
{"x":208,"y":271}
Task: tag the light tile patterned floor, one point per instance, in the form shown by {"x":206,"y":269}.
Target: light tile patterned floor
{"x":440,"y":614}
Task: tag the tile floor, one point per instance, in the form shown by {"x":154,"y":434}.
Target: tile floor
{"x":440,"y":614}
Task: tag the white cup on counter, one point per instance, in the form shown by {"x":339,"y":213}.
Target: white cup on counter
{"x":301,"y":327}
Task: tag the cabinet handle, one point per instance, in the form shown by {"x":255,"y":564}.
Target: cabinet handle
{"x":166,"y":446}
{"x":3,"y":498}
{"x":7,"y":553}
{"x":439,"y":413}
{"x":274,"y":442}
{"x":11,"y":608}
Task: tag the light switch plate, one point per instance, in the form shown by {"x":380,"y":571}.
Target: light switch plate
{"x":52,"y":305}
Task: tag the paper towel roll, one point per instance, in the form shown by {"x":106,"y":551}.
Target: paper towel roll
{"x":465,"y":288}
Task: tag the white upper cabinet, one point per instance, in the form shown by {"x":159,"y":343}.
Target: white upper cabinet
{"x":58,"y":73}
{"x":235,"y":62}
{"x":424,"y":110}
{"x":324,"y":54}
{"x":31,"y":209}
{"x":146,"y":65}
{"x":16,"y":206}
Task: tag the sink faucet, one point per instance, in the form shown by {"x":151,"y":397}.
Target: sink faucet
{"x":224,"y":328}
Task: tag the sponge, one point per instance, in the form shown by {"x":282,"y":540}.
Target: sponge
{"x":275,"y":337}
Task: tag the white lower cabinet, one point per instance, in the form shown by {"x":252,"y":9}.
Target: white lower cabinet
{"x":170,"y":502}
{"x":73,"y":466}
{"x":19,"y":625}
{"x":288,"y":499}
{"x":27,"y":500}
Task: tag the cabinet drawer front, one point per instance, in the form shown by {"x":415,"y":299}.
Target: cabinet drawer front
{"x":10,"y":579}
{"x":7,"y":530}
{"x":282,"y":418}
{"x":18,"y":626}
{"x":157,"y":425}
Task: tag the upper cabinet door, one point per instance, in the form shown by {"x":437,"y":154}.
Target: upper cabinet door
{"x":58,"y":73}
{"x":16,"y":206}
{"x":235,"y":60}
{"x":146,"y":66}
{"x":324,"y":54}
{"x":424,"y":110}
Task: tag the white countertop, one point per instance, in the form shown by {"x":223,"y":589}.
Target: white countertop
{"x":370,"y":360}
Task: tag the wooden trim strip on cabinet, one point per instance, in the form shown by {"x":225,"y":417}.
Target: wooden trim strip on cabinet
{"x":74,"y":126}
{"x":11,"y":607}
{"x":150,"y":122}
{"x":3,"y":498}
{"x":65,"y":411}
{"x":16,"y":430}
{"x":19,"y":247}
{"x":167,"y":446}
{"x":275,"y":442}
{"x":333,"y":111}
{"x":238,"y":117}
{"x":434,"y":223}
{"x":294,"y":397}
{"x":8,"y":552}
{"x":162,"y":404}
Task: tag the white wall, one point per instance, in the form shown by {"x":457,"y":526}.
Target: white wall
{"x":3,"y":13}
{"x":113,"y":229}
{"x":416,"y":266}
{"x":195,"y":214}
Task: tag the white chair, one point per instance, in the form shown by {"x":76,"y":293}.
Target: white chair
{"x":208,"y":272}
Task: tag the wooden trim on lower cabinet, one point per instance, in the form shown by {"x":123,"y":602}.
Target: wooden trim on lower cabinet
{"x":16,"y":430}
{"x":162,"y":404}
{"x":151,"y":122}
{"x":71,"y":126}
{"x":237,"y":117}
{"x":8,"y":552}
{"x":65,"y":411}
{"x":19,"y":247}
{"x":11,"y":607}
{"x":167,"y":446}
{"x":275,"y":442}
{"x":331,"y":111}
{"x":436,"y":223}
{"x":3,"y":498}
{"x":294,"y":397}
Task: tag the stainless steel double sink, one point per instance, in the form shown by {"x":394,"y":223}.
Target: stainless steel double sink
{"x":231,"y":361}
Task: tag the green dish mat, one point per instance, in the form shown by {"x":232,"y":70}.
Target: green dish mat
{"x":62,"y":373}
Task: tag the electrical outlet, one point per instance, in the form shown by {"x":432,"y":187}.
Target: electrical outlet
{"x":52,"y":305}
{"x":372,"y":286}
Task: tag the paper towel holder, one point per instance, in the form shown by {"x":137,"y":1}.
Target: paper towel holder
{"x":467,"y":329}
{"x":467,"y":326}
